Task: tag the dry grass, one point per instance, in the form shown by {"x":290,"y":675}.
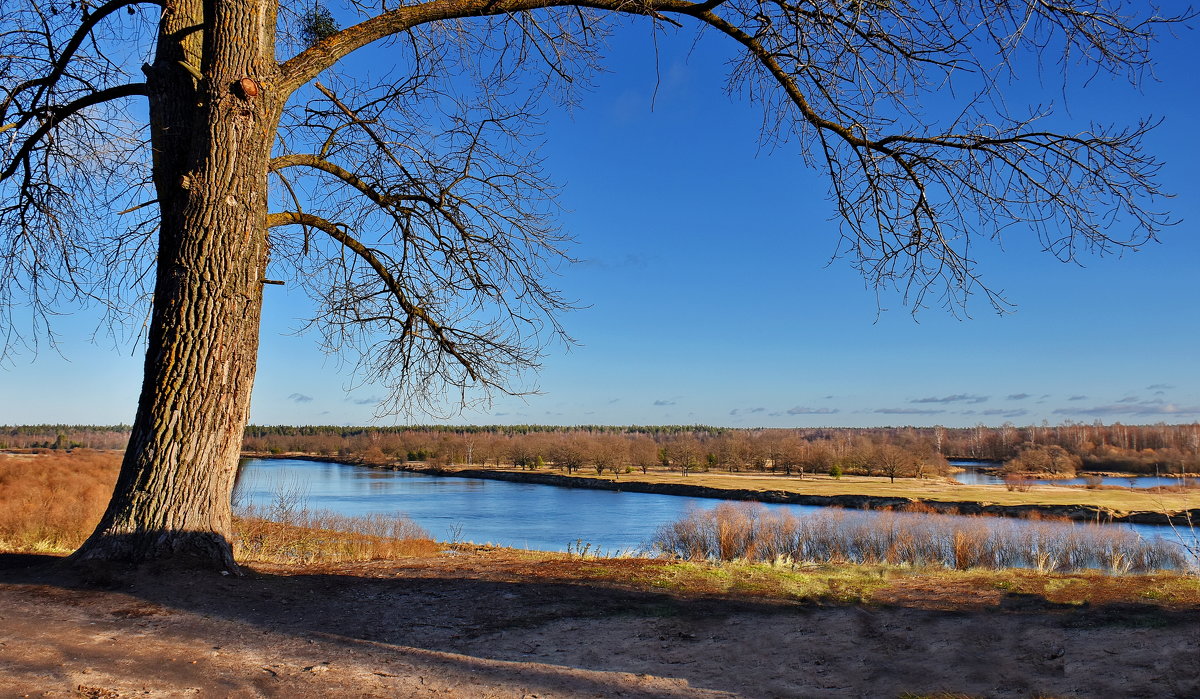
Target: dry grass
{"x":303,"y":536}
{"x":916,"y":587}
{"x":750,"y":532}
{"x":1120,"y":500}
{"x":50,"y":502}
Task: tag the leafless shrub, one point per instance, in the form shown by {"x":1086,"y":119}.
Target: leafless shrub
{"x":730,"y":532}
{"x":322,"y":536}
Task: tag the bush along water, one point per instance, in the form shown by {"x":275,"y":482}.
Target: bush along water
{"x":752,"y":532}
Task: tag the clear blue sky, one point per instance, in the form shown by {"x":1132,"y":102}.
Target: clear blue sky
{"x":708,"y":297}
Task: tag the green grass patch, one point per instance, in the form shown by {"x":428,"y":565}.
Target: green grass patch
{"x":760,"y":580}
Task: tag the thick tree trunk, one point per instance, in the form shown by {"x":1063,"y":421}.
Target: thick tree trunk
{"x":212,"y":139}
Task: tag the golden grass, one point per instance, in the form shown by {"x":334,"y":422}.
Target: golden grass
{"x":325,"y":537}
{"x":51,"y":502}
{"x":751,"y":532}
{"x":921,"y":587}
{"x":932,"y":489}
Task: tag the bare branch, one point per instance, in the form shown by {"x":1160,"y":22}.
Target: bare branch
{"x":54,"y":116}
{"x":465,"y":350}
{"x":63,"y":58}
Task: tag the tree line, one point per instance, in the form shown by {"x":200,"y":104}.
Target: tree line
{"x":888,"y":451}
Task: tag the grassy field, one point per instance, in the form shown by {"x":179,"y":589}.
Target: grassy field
{"x":932,"y":489}
{"x":49,"y":503}
{"x":930,"y":587}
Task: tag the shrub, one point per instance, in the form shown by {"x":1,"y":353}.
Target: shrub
{"x":1018,"y":483}
{"x":303,"y":536}
{"x":317,"y":23}
{"x":750,"y":531}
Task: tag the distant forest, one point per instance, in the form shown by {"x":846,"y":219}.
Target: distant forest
{"x":895,"y":451}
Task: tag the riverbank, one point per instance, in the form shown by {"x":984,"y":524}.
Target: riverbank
{"x":880,"y":494}
{"x":858,"y":492}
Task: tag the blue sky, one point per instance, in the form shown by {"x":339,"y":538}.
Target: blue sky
{"x":709,"y":297}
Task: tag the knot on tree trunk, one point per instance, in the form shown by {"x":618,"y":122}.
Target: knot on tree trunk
{"x":246,"y":88}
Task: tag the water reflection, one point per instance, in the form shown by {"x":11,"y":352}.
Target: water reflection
{"x":973,"y":476}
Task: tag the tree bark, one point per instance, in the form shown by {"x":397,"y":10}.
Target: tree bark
{"x":212,"y":139}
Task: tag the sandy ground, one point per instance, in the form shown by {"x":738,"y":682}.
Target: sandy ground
{"x":476,"y":625}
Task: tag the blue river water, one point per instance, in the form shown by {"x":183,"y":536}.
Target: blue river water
{"x":973,"y":476}
{"x":519,"y":515}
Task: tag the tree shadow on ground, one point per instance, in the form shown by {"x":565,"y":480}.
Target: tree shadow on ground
{"x":465,"y":624}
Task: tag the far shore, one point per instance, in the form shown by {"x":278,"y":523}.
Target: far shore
{"x":1103,"y":505}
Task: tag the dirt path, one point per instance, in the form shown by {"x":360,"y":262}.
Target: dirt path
{"x":482,"y":626}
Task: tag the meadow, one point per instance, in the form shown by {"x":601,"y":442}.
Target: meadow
{"x":51,"y":501}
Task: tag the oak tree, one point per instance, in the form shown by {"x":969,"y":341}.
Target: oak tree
{"x":178,"y":154}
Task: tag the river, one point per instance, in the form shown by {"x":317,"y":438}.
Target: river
{"x":973,"y":476}
{"x":519,"y":515}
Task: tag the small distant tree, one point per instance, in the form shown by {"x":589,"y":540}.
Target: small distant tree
{"x":893,"y":461}
{"x":569,"y":454}
{"x":373,"y":455}
{"x":643,"y":453}
{"x":608,"y":452}
{"x":682,"y":453}
{"x":1039,"y":458}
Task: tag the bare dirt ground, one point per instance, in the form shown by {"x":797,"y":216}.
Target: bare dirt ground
{"x":490,"y":623}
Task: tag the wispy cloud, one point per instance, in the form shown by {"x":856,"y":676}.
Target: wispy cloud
{"x":1077,"y":398}
{"x":746,"y":411}
{"x":802,"y":410}
{"x":956,"y":398}
{"x":1129,"y":399}
{"x":369,"y":400}
{"x":299,"y":398}
{"x":998,"y":412}
{"x":1018,"y":396}
{"x":1143,"y":409}
{"x":908,"y":411}
{"x":662,"y":403}
{"x":1159,"y":387}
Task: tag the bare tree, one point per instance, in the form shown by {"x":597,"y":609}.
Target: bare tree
{"x":163,"y":150}
{"x":893,"y":460}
